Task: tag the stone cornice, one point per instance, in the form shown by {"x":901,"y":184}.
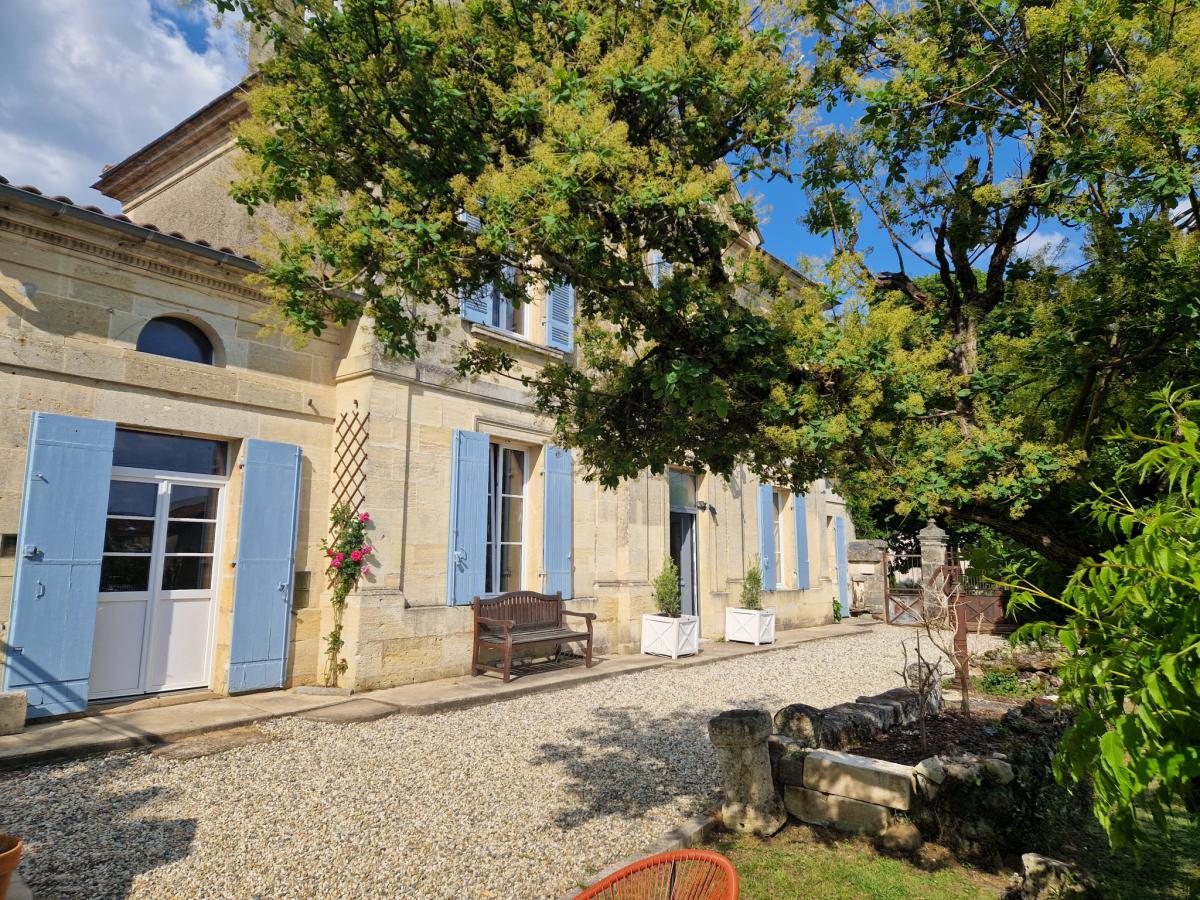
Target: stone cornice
{"x":233,"y":281}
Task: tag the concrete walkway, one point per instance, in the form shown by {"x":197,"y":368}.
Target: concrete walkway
{"x":161,"y":721}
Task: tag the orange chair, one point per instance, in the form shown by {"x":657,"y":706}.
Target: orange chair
{"x":677,"y":875}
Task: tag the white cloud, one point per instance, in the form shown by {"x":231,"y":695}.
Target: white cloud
{"x":85,"y":84}
{"x":1055,"y":247}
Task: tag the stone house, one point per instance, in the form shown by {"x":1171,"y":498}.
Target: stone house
{"x":167,"y":467}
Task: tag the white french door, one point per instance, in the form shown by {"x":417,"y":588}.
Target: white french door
{"x":154,"y":624}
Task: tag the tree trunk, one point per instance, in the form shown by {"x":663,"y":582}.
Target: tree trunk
{"x":1050,"y":543}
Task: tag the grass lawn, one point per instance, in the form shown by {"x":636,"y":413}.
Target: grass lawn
{"x":801,"y":862}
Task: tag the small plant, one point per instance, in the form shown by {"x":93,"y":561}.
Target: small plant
{"x":1000,"y":683}
{"x":347,"y":550}
{"x":752,"y":587}
{"x":837,"y":610}
{"x":667,"y":590}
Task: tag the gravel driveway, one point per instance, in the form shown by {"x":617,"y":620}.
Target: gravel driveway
{"x":519,"y":799}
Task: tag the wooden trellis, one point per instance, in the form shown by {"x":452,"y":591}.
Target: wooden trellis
{"x":350,"y":458}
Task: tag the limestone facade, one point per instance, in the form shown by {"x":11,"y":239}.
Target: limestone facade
{"x":77,"y":288}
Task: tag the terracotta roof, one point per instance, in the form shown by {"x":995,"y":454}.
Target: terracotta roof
{"x":60,"y":205}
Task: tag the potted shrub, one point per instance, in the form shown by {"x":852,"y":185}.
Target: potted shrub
{"x":669,"y":633}
{"x":750,"y":623}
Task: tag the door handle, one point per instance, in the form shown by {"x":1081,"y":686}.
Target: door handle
{"x":41,"y":591}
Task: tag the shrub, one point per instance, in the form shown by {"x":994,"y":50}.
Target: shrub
{"x":1132,"y":636}
{"x":752,"y":587}
{"x":666,"y":589}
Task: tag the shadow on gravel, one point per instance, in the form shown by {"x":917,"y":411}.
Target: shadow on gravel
{"x":83,"y":838}
{"x":628,"y":763}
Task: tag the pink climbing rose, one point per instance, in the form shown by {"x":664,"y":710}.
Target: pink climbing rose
{"x":366,"y":550}
{"x":365,"y":569}
{"x":356,"y":555}
{"x":337,"y":563}
{"x":364,"y":517}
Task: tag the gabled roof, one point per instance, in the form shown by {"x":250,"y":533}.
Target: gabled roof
{"x":204,"y":130}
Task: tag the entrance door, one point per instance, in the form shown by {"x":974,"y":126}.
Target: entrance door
{"x":683,"y":552}
{"x":154,"y":622}
{"x":681,"y":490}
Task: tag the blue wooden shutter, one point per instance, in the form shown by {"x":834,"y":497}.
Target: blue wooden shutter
{"x":766,"y":535}
{"x":468,"y":517}
{"x":560,"y":485}
{"x":56,"y":584}
{"x":560,"y":317}
{"x":266,"y":563}
{"x":843,"y":565}
{"x":802,"y":576}
{"x":477,"y":306}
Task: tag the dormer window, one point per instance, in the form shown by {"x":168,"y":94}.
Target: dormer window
{"x":176,"y":338}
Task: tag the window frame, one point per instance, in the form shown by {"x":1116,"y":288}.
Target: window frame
{"x":186,"y":326}
{"x":494,"y":543}
{"x":779,"y":511}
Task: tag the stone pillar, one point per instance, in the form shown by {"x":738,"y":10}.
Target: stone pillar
{"x":868,"y":570}
{"x":933,"y":555}
{"x":751,"y":801}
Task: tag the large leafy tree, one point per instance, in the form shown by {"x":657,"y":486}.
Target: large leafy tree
{"x":422,"y":149}
{"x":583,"y":133}
{"x":976,"y":121}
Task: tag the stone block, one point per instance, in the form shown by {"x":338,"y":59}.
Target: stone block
{"x":791,"y":767}
{"x":895,"y":709}
{"x":841,"y":813}
{"x":12,"y":712}
{"x":910,"y":703}
{"x":859,"y":778}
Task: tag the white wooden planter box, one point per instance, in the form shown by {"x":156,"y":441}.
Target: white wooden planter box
{"x":667,"y":636}
{"x":750,"y":626}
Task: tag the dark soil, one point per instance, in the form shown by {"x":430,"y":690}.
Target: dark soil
{"x":948,"y":732}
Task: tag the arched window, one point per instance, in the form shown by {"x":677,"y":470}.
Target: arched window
{"x":176,"y":338}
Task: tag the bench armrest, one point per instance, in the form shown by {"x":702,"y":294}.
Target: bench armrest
{"x":506,"y":624}
{"x":582,"y":615}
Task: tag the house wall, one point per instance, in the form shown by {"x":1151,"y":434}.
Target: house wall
{"x":400,"y":628}
{"x":73,"y":299}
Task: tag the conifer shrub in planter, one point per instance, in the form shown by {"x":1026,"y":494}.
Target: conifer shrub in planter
{"x":668,"y":633}
{"x":750,"y":623}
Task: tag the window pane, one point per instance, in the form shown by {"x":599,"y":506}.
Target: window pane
{"x":132,"y":498}
{"x":510,"y":521}
{"x":124,"y":573}
{"x":186,"y":573}
{"x":189,"y":537}
{"x":176,"y":338}
{"x":168,"y":452}
{"x":128,"y":535}
{"x":681,"y":486}
{"x":513,"y":476}
{"x":189,"y":502}
{"x":510,"y":567}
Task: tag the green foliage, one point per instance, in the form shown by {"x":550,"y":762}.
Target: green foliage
{"x":347,"y":551}
{"x":837,"y":610}
{"x":995,"y":681}
{"x":1133,"y":634}
{"x":978,"y":123}
{"x":752,"y":586}
{"x":667,"y":590}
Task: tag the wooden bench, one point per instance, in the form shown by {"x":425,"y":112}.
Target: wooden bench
{"x":521,"y":618}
